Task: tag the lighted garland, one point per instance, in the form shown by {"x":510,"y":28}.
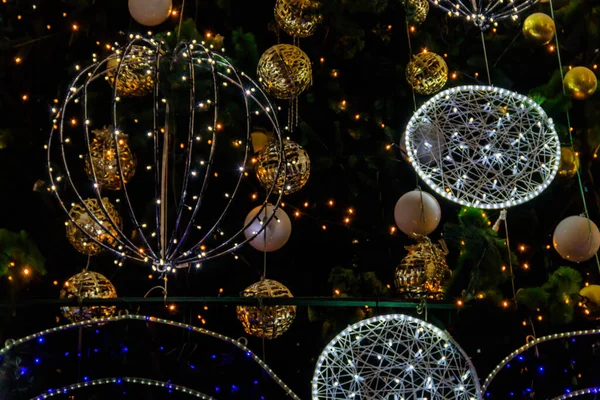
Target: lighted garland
{"x":394,"y":356}
{"x":577,"y":393}
{"x":529,"y":345}
{"x":191,"y":235}
{"x":118,"y":381}
{"x":10,"y":344}
{"x":484,"y":13}
{"x":483,"y":147}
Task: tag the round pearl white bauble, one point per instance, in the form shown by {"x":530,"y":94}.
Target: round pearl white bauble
{"x":573,"y":241}
{"x":150,"y":12}
{"x":417,"y":212}
{"x":278,"y":230}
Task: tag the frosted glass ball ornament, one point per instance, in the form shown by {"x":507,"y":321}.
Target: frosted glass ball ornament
{"x":417,"y":212}
{"x":150,"y":12}
{"x":573,"y":240}
{"x":271,"y":235}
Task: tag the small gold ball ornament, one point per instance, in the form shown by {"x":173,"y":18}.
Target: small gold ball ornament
{"x":298,"y":18}
{"x":80,"y":217}
{"x":416,"y":11}
{"x":88,"y":285}
{"x":427,"y":73}
{"x":569,"y":162}
{"x":289,"y":177}
{"x":107,"y":155}
{"x":423,"y":273}
{"x":591,"y":301}
{"x":266,"y":322}
{"x":539,"y":27}
{"x":580,"y":83}
{"x":284,"y":71}
{"x":133,"y":79}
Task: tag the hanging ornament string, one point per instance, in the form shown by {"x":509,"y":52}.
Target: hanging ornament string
{"x":487,"y":66}
{"x":572,"y":142}
{"x":410,"y":54}
{"x":181,"y":19}
{"x":512,"y":275}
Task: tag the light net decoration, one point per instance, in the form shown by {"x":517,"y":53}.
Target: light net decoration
{"x":484,"y":13}
{"x":483,"y":146}
{"x":191,"y":137}
{"x":394,"y":357}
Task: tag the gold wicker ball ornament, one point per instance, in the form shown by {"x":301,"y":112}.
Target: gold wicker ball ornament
{"x":266,"y":322}
{"x":88,"y":285}
{"x":297,"y":167}
{"x":107,"y":155}
{"x":416,"y":11}
{"x":427,"y":73}
{"x":104,"y":232}
{"x":569,"y":162}
{"x":539,"y":28}
{"x":297,"y":18}
{"x":423,"y":272}
{"x":136,"y":76}
{"x":284,"y":71}
{"x":580,"y":83}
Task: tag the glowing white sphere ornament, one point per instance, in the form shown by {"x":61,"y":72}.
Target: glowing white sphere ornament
{"x":417,"y":212}
{"x":576,"y":238}
{"x":394,"y":357}
{"x":150,"y":12}
{"x":267,"y":228}
{"x":483,"y":146}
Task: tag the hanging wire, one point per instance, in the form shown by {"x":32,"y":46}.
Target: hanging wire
{"x":410,"y":54}
{"x":180,"y":19}
{"x":512,"y":275}
{"x":572,"y":142}
{"x":487,"y":66}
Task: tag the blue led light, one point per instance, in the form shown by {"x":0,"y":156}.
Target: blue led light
{"x":37,"y":360}
{"x":41,"y":340}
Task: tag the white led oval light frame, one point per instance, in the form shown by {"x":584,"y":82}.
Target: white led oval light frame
{"x":483,"y":147}
{"x":394,"y":357}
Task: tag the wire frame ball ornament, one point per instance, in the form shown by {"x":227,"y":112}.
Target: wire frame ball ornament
{"x":298,"y":18}
{"x":427,"y":73}
{"x":297,"y":168}
{"x":88,"y":285}
{"x":416,"y":11}
{"x":284,"y":71}
{"x":483,"y":147}
{"x":135,"y":77}
{"x":484,"y":13}
{"x":266,"y":322}
{"x":187,"y":136}
{"x":394,"y":357}
{"x":104,"y":157}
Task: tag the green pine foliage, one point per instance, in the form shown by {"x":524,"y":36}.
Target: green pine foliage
{"x":17,"y":250}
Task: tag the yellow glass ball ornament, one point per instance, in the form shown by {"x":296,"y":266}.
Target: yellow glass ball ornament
{"x":297,"y":167}
{"x":109,"y":158}
{"x":591,"y":301}
{"x":427,"y":73}
{"x":104,"y":232}
{"x":580,"y":83}
{"x":88,"y":285}
{"x":539,"y":27}
{"x":266,"y":322}
{"x":416,"y":11}
{"x":298,"y":18}
{"x":569,"y":162}
{"x":136,"y":76}
{"x":284,"y":71}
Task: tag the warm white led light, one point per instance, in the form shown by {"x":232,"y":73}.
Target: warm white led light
{"x":484,"y":147}
{"x":484,"y":13}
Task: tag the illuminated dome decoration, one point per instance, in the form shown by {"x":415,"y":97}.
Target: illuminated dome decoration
{"x":484,"y":13}
{"x":88,"y":285}
{"x":394,"y":357}
{"x":483,"y":146}
{"x":173,"y":217}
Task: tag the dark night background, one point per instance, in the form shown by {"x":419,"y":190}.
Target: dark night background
{"x":366,"y":42}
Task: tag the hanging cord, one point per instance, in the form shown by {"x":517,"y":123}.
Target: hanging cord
{"x":410,"y":54}
{"x":572,"y":142}
{"x":512,"y":276}
{"x":487,"y":65}
{"x":181,"y":19}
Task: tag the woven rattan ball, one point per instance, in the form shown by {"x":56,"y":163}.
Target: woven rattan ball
{"x":88,"y":285}
{"x":423,"y":272}
{"x":427,"y":73}
{"x":297,"y":169}
{"x":284,"y":71}
{"x":298,"y":18}
{"x":416,"y":11}
{"x":91,"y":229}
{"x":106,"y":159}
{"x":266,"y":322}
{"x":136,"y":76}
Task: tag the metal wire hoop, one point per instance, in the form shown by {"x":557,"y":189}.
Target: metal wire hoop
{"x":167,"y":246}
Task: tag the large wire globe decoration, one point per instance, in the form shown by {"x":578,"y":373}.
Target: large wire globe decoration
{"x":484,"y":13}
{"x":191,"y":138}
{"x":394,"y":357}
{"x":484,"y":147}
